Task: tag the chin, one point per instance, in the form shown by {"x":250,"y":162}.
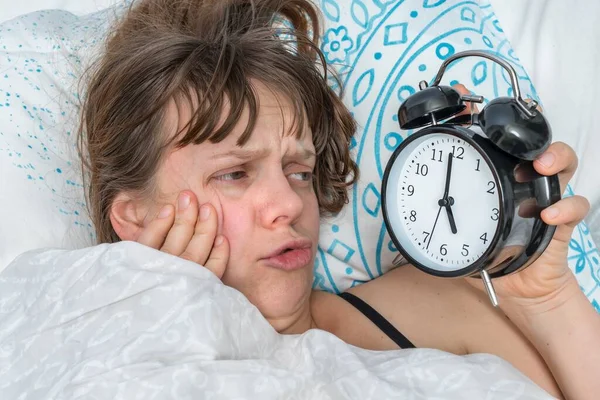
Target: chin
{"x":280,"y":295}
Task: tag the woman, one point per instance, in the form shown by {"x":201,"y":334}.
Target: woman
{"x":207,"y":136}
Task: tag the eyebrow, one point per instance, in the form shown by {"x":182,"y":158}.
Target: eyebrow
{"x":253,"y":154}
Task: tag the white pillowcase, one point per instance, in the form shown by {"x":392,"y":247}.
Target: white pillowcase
{"x":41,"y":59}
{"x":78,"y":7}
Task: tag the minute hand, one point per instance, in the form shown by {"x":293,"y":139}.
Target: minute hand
{"x":448,"y":175}
{"x":447,"y":201}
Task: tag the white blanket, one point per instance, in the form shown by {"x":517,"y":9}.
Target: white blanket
{"x":124,"y":321}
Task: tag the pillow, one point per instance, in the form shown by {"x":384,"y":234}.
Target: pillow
{"x":42,"y":198}
{"x":75,"y":6}
{"x":382,"y":49}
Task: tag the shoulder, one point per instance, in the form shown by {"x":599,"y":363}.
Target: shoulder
{"x":431,"y":312}
{"x":440,"y":313}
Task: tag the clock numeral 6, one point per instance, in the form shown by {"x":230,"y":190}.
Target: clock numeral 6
{"x":495,"y":215}
{"x":443,"y":249}
{"x":413,"y":216}
{"x":465,"y":250}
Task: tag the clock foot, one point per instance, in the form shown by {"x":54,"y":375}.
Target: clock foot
{"x":489,"y":288}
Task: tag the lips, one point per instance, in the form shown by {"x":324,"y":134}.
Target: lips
{"x":292,"y":255}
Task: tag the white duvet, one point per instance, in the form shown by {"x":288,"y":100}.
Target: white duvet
{"x":124,"y":321}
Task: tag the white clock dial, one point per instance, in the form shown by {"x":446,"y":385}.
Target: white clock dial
{"x":443,"y":231}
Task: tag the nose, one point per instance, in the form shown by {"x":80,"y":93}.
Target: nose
{"x":280,"y":203}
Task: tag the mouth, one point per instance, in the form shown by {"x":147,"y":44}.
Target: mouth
{"x":292,"y":255}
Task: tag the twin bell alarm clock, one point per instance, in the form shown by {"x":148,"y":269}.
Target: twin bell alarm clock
{"x":460,"y":197}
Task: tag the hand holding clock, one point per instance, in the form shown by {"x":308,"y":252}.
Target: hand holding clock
{"x":544,"y":300}
{"x":542,"y":284}
{"x":547,"y":316}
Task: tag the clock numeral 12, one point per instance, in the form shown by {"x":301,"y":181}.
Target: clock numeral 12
{"x":458,"y":152}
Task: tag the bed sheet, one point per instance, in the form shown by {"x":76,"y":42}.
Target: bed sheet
{"x":125,"y":321}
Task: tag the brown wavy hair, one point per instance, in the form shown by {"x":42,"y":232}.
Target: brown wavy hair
{"x":205,"y":53}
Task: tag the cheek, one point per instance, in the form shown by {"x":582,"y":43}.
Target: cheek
{"x":316,"y":217}
{"x":311,"y":217}
{"x":235,"y":223}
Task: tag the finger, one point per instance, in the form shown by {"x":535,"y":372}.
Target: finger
{"x":471,"y":107}
{"x":559,"y":159}
{"x":154,"y":234}
{"x":183,"y":228}
{"x":539,"y":108}
{"x":566,"y":214}
{"x":219,"y":256}
{"x":205,"y":231}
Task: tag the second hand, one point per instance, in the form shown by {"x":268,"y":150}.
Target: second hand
{"x":433,"y":229}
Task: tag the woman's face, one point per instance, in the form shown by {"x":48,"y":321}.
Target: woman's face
{"x":265,"y":203}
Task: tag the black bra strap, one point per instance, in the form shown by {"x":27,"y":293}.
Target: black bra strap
{"x":378,"y":320}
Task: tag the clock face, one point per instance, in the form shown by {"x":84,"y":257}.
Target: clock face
{"x":442,"y":201}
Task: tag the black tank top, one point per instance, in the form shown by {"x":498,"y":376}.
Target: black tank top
{"x":382,"y":323}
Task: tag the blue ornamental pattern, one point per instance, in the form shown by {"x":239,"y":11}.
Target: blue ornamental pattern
{"x":382,"y":49}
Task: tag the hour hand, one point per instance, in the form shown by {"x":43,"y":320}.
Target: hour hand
{"x":447,"y":204}
{"x":451,"y":218}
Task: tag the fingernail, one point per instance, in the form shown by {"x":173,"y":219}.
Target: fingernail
{"x":184,"y":201}
{"x":219,"y":240}
{"x":164,"y":212}
{"x":546,"y":159}
{"x":204,"y":212}
{"x":552,"y":212}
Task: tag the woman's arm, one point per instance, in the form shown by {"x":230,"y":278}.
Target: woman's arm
{"x":555,"y":343}
{"x":451,"y":315}
{"x":566,"y":332}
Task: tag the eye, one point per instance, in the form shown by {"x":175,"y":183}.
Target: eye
{"x":232,"y":176}
{"x":302,"y":176}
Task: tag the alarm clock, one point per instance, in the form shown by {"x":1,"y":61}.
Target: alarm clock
{"x":460,"y":196}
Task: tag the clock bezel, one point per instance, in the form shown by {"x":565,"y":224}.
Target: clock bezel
{"x":466,"y":135}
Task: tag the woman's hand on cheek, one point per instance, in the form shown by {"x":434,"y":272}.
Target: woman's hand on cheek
{"x":189,"y":231}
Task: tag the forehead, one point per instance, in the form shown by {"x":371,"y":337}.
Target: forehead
{"x":276,"y":117}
